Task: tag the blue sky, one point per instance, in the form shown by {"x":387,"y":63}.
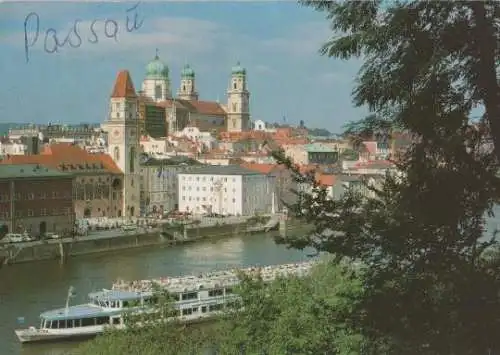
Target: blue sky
{"x":277,"y":42}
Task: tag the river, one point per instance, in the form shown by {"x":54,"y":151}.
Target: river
{"x":28,"y":289}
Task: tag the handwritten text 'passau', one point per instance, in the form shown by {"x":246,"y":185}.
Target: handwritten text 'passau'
{"x":53,"y":41}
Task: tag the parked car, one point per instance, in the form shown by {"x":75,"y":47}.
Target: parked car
{"x":52,"y":236}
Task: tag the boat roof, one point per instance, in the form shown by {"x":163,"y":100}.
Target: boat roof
{"x":216,"y":279}
{"x":77,"y":312}
{"x":115,"y":295}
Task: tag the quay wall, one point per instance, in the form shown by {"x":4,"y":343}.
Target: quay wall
{"x":69,"y":247}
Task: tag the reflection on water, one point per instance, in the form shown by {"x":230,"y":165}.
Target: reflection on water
{"x":229,"y":250}
{"x":28,"y":289}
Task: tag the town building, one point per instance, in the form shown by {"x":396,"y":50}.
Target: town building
{"x":98,"y":182}
{"x":229,"y":189}
{"x":35,"y":199}
{"x":122,"y":128}
{"x":284,"y":184}
{"x":311,"y":153}
{"x":159,"y":179}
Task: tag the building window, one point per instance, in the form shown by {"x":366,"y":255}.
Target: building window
{"x":55,"y":194}
{"x":30,"y":213}
{"x":19,"y":214}
{"x":183,"y":198}
{"x":116,"y":154}
{"x":158,"y":92}
{"x":55,"y":212}
{"x":234,"y":85}
{"x":234,"y":200}
{"x":132,"y":160}
{"x":43,"y":212}
{"x":43,"y":195}
{"x":31,"y":196}
{"x":17,"y":196}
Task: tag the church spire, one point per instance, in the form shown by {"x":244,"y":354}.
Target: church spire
{"x":124,"y":86}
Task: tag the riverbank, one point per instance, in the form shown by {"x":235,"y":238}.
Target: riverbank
{"x":110,"y":241}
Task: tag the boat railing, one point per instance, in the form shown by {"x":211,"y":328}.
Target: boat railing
{"x":209,"y":280}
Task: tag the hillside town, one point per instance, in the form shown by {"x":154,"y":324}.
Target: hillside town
{"x":157,"y":154}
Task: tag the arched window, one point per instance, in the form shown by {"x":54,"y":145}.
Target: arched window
{"x":234,"y":107}
{"x":234,"y":85}
{"x":183,"y":87}
{"x":132,"y":160}
{"x":116,"y":154}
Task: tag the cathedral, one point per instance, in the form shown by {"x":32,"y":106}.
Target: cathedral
{"x":153,"y":111}
{"x":161,"y":113}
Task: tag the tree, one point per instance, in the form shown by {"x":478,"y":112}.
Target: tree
{"x":422,"y":236}
{"x":297,"y":315}
{"x":410,"y":47}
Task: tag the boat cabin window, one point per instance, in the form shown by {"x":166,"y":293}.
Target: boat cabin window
{"x":87,"y":322}
{"x":151,"y":300}
{"x":189,"y":296}
{"x":188,"y":311}
{"x":106,"y":303}
{"x":78,"y":323}
{"x":102,"y":320}
{"x":215,"y":307}
{"x":216,"y":292}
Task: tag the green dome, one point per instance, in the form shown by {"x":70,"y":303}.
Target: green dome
{"x":156,"y":69}
{"x":187,"y":72}
{"x":238,"y":69}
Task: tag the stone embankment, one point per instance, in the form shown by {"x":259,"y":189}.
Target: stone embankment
{"x":113,"y":240}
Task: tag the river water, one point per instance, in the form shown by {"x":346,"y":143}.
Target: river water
{"x":28,"y":289}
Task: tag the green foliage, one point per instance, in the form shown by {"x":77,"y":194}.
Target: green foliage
{"x":298,"y":315}
{"x":422,"y":234}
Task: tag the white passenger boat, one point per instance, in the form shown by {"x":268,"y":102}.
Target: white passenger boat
{"x":196,"y":298}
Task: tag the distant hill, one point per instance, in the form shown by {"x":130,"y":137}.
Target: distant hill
{"x":4,"y":128}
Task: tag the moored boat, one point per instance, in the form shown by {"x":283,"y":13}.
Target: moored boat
{"x":195,"y":299}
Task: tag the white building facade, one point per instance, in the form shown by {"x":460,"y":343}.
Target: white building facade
{"x":159,"y":190}
{"x":227,"y":190}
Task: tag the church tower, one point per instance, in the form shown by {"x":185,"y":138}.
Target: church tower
{"x":156,"y":84}
{"x":123,"y":141}
{"x":238,"y":101}
{"x":187,"y":90}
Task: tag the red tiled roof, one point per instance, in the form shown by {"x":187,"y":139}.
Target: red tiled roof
{"x":261,"y":168}
{"x":371,"y":147}
{"x":65,"y":153}
{"x":325,"y":180}
{"x":207,"y":107}
{"x":123,"y":86}
{"x":203,"y":107}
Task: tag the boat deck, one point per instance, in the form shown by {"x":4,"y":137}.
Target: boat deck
{"x":215,"y":279}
